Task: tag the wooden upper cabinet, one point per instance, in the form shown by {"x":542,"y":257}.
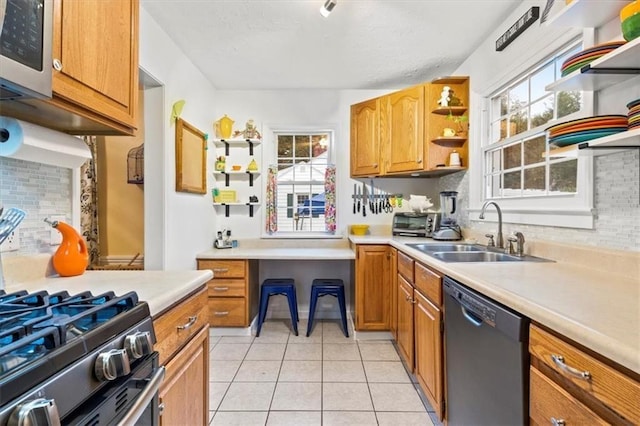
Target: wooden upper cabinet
{"x":365,"y":142}
{"x":402,"y":130}
{"x":96,"y":44}
{"x":95,"y":70}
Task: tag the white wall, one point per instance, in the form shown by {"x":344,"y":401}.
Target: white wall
{"x":181,"y":224}
{"x":308,"y":108}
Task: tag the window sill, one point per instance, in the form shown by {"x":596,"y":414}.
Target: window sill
{"x":578,"y":218}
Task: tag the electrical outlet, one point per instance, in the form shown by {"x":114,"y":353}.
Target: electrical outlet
{"x":55,"y":237}
{"x":12,"y":243}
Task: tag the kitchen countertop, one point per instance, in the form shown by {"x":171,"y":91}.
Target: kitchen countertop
{"x":280,"y":253}
{"x":597,"y":309}
{"x":160,"y":289}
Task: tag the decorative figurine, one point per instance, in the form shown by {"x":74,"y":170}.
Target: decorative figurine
{"x":253,"y":166}
{"x":220,"y":163}
{"x":444,"y":97}
{"x":224,"y":127}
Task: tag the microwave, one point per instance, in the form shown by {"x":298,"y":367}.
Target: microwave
{"x":26,"y":33}
{"x":415,"y":224}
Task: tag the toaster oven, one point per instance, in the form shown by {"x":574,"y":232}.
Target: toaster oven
{"x":415,"y":224}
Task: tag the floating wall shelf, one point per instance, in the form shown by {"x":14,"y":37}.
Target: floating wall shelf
{"x":587,"y":13}
{"x":601,"y":146}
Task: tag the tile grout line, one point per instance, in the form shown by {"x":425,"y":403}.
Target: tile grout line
{"x":375,"y":413}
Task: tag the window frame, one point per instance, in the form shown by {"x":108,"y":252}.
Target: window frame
{"x":561,"y":210}
{"x":271,"y":157}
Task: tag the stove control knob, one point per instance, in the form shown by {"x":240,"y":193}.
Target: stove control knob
{"x":38,"y":412}
{"x":138,"y":344}
{"x":112,"y":364}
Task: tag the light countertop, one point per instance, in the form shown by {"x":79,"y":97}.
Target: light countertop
{"x":280,"y":253}
{"x":593,"y":307}
{"x":160,"y":289}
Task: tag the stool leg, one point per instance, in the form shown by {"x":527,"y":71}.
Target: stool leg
{"x":295,"y":303}
{"x":264,"y":303}
{"x":343,"y":312}
{"x":312,"y":310}
{"x":292,"y":308}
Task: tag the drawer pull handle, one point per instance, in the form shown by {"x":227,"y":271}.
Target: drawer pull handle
{"x":192,"y":320}
{"x":559,"y":362}
{"x":221,"y":288}
{"x":557,"y":422}
{"x":220,"y":269}
{"x":221,"y":314}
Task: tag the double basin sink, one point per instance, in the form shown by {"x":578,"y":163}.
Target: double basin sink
{"x":470,"y":253}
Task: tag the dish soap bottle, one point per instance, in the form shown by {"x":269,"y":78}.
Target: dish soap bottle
{"x":72,"y":257}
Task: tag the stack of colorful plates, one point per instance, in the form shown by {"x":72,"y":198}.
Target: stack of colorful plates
{"x":587,"y":56}
{"x":634,"y":114}
{"x":586,"y":129}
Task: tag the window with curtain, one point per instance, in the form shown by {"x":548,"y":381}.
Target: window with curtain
{"x":303,"y":203}
{"x":515,"y":160}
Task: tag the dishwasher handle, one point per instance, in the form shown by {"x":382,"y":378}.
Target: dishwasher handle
{"x":469,"y":315}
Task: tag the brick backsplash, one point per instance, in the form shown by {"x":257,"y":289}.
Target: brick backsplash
{"x":617,"y":203}
{"x":40,"y":190}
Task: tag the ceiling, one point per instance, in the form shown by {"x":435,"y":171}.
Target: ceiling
{"x":363,"y":44}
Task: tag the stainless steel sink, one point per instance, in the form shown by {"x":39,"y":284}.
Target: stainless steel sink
{"x":430,"y":248}
{"x":457,"y":252}
{"x":478,"y":256}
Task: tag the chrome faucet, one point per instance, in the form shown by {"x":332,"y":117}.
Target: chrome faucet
{"x":499,"y":240}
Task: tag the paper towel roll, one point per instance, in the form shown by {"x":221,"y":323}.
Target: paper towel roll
{"x":26,"y":141}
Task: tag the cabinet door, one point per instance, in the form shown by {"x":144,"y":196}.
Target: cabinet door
{"x":96,"y":42}
{"x":403,"y":131}
{"x":393,"y":323}
{"x":428,"y":340}
{"x":373,"y":290}
{"x":365,"y":144}
{"x":405,"y":321}
{"x":185,"y":392}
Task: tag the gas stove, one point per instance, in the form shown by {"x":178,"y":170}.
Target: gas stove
{"x":61,"y":355}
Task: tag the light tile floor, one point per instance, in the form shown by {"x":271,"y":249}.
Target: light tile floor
{"x":325,"y":379}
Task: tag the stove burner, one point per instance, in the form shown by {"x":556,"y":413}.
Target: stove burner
{"x":41,"y":333}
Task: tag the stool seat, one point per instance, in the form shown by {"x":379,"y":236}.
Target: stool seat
{"x":328,"y":287}
{"x":275,"y":286}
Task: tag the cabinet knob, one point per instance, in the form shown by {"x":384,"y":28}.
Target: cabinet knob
{"x":419,"y":160}
{"x":57,"y":65}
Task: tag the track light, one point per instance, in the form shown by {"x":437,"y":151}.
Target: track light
{"x":327,"y":8}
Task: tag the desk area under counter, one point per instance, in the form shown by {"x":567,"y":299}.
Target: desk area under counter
{"x":234,"y":290}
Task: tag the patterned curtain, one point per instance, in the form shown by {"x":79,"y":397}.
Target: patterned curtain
{"x":271,"y":201}
{"x":89,"y":202}
{"x":330,"y":199}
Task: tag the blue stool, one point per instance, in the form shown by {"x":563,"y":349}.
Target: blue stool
{"x":272,"y":287}
{"x":331,"y":287}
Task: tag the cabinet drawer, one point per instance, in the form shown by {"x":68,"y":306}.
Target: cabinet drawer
{"x":405,"y":266}
{"x":174,"y":328}
{"x":227,"y":312}
{"x":224,"y":268}
{"x":606,"y":384}
{"x":227,"y":288}
{"x":429,"y":283}
{"x":550,"y":402}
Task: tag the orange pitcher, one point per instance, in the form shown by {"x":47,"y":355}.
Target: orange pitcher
{"x":72,"y":256}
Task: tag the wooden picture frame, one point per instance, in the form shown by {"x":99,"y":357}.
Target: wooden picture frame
{"x":191,"y":159}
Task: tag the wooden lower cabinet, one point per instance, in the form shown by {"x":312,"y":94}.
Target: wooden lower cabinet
{"x":182,"y":334}
{"x":184,"y":394}
{"x":428,"y":350}
{"x":393,"y":323}
{"x":373,"y":287}
{"x":233,"y":291}
{"x":405,"y":321}
{"x":580,"y":378}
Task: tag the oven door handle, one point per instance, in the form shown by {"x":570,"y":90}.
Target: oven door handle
{"x":147,"y":394}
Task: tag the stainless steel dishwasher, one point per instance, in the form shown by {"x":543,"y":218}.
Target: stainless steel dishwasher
{"x":487,"y":360}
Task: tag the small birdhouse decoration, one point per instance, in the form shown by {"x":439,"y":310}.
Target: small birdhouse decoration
{"x":135,"y":165}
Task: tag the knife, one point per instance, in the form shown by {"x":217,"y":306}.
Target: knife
{"x":372,"y":199}
{"x":358,"y":197}
{"x":364,"y":200}
{"x":355,"y":195}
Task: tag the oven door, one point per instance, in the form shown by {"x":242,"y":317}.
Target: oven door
{"x":127,"y":401}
